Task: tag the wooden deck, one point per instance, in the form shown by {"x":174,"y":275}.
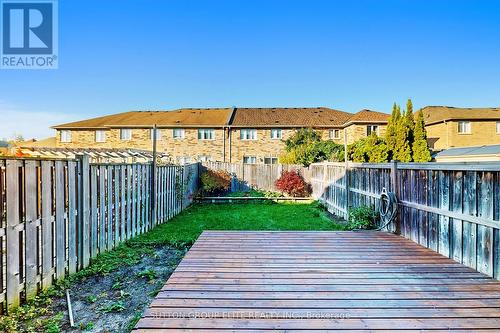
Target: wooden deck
{"x":320,"y":281}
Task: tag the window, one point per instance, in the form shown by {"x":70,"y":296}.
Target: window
{"x":270,"y":160}
{"x":178,"y":133}
{"x":464,"y":127}
{"x":498,"y":127}
{"x":125,"y":134}
{"x":204,"y":158}
{"x":249,"y":159}
{"x":65,"y":136}
{"x":248,"y":134}
{"x":206,"y":134}
{"x":158,"y":134}
{"x":276,"y":133}
{"x":100,"y":136}
{"x":335,"y":134}
{"x":371,"y":129}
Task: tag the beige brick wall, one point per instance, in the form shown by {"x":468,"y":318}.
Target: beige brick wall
{"x":264,"y":146}
{"x":358,"y":131}
{"x":189,"y":146}
{"x":445,"y":135}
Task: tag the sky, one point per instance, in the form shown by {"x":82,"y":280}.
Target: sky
{"x":116,"y":56}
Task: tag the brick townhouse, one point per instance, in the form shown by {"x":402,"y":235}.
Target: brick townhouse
{"x":449,"y":127}
{"x":248,"y":135}
{"x":254,"y":135}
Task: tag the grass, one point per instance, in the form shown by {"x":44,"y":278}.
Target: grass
{"x":180,"y":232}
{"x":185,"y":228}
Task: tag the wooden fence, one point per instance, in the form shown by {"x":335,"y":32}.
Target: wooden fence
{"x":56,"y":215}
{"x":453,"y":209}
{"x":260,"y":176}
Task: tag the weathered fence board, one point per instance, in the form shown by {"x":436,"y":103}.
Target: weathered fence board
{"x":453,"y":209}
{"x":57,"y":215}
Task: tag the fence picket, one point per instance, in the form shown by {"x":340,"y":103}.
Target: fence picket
{"x":13,"y":232}
{"x":31,"y":178}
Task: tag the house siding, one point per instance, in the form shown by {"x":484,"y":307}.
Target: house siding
{"x":445,"y":135}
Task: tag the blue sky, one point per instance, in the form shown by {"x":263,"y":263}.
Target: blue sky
{"x":143,"y":54}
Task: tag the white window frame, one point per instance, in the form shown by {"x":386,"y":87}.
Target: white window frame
{"x":498,"y":127}
{"x":125,"y":134}
{"x":336,"y":137}
{"x":252,"y":159}
{"x":370,"y":129}
{"x":276,"y":133}
{"x":100,"y":136}
{"x":271,"y":158}
{"x":248,"y":134}
{"x":464,"y":127}
{"x":158,"y":134}
{"x":206,"y":134}
{"x":176,"y":136}
{"x":66,"y":136}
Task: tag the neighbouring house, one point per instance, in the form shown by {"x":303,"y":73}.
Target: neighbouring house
{"x":242,"y":135}
{"x":450,"y":127}
{"x":490,"y":153}
{"x":4,"y":147}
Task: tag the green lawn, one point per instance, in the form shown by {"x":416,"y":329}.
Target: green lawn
{"x":187,"y":226}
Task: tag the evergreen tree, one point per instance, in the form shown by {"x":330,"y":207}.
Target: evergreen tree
{"x":421,"y":151}
{"x":410,"y":121}
{"x":390,"y":134}
{"x":402,"y":149}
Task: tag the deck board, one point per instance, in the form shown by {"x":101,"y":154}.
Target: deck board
{"x":239,"y":281}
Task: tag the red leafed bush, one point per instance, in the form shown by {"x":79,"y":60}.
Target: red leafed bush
{"x":214,"y":181}
{"x":292,"y":183}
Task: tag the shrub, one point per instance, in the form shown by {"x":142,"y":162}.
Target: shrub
{"x":306,"y":147}
{"x":362,"y":217}
{"x":292,"y":183}
{"x":370,"y":149}
{"x":214,"y":181}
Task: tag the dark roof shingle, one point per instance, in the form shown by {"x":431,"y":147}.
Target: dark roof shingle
{"x":435,"y":114}
{"x":180,"y":117}
{"x":289,"y":117}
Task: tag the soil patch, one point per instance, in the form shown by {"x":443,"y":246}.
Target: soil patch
{"x":114,"y":302}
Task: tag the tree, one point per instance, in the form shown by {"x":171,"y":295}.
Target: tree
{"x":306,"y":147}
{"x":301,"y":137}
{"x":402,"y":148}
{"x":421,"y":151}
{"x":390,"y":134}
{"x":371,"y":149}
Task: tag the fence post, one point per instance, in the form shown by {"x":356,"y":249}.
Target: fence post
{"x":152,"y":194}
{"x":13,"y":229}
{"x":347,"y":177}
{"x":395,"y":190}
{"x":84,"y":211}
{"x":324,"y":184}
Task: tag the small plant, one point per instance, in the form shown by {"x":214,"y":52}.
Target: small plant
{"x":214,"y":181}
{"x":87,"y":327}
{"x":117,"y":285}
{"x":363,"y":217}
{"x":91,"y":298}
{"x":292,"y":183}
{"x":112,"y":307}
{"x":149,"y":274}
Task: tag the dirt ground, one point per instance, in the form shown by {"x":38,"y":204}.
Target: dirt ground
{"x":114,"y":302}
